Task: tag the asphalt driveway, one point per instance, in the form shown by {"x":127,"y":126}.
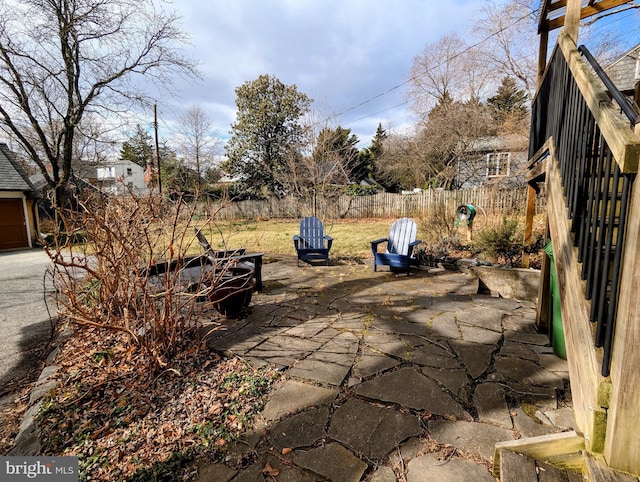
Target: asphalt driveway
{"x":24,"y":320}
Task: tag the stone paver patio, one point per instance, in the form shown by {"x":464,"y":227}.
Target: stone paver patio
{"x":389,"y":377}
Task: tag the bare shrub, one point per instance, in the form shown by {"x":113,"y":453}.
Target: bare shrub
{"x":440,"y":235}
{"x":113,"y":279}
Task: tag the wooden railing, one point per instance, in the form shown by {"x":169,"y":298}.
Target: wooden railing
{"x":585,"y":148}
{"x":595,"y":189}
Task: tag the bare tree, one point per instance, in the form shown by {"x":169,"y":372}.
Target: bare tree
{"x":403,"y":165}
{"x":323,"y":159}
{"x":607,"y":40}
{"x":447,"y":67}
{"x":450,"y":81}
{"x":199,"y":143}
{"x":507,"y":41}
{"x":438,"y":152}
{"x":507,"y":37}
{"x":447,"y":138}
{"x":74,"y":58}
{"x":93,"y":143}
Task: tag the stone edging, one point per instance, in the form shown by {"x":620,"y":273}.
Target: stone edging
{"x":27,"y":442}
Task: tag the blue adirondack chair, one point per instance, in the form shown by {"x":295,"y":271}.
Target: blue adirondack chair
{"x":399,"y":249}
{"x":310,"y":243}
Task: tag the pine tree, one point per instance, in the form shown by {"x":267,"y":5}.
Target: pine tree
{"x":337,"y":147}
{"x":138,"y":148}
{"x":508,"y":103}
{"x":377,"y":143}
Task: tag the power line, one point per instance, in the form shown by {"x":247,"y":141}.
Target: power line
{"x":415,"y":77}
{"x":448,"y":59}
{"x":445,"y":61}
{"x":378,"y":112}
{"x":396,"y":87}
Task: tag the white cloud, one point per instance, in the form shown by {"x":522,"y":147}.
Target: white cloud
{"x":340,"y":53}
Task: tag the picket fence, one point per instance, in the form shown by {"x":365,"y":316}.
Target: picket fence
{"x":381,"y":205}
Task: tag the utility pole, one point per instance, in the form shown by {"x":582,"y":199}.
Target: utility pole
{"x":155,"y":128}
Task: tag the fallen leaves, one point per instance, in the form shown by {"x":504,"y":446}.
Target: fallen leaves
{"x":14,"y":396}
{"x":120,"y":421}
{"x":270,"y":471}
{"x":215,"y":409}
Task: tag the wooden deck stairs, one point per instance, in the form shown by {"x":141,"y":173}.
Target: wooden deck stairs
{"x":584,"y":152}
{"x":558,"y":457}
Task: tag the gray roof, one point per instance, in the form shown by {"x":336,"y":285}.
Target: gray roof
{"x":623,"y":71}
{"x":40,"y":184}
{"x":12,"y":177}
{"x":507,"y":142}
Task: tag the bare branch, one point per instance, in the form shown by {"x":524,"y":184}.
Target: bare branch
{"x":75,"y":58}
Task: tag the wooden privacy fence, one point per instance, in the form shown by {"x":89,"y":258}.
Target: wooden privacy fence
{"x":382,"y":205}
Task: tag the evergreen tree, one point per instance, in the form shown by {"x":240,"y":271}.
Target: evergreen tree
{"x":375,"y":152}
{"x":365,"y":163}
{"x":377,"y":143}
{"x":445,"y":102}
{"x":176,"y":176}
{"x":336,"y":150}
{"x":508,"y":103}
{"x":266,"y":134}
{"x":138,"y":148}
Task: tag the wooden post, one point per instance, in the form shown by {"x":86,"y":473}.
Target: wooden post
{"x":542,"y":57}
{"x":155,"y":128}
{"x":572,"y":19}
{"x":528,"y":228}
{"x":622,"y":450}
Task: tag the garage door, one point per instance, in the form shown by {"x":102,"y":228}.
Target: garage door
{"x":13,"y":231}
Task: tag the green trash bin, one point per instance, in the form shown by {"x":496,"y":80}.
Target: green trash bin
{"x":556,"y":332}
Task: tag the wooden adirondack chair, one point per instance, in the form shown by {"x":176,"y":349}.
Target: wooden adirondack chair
{"x":310,"y":243}
{"x":400,"y":244}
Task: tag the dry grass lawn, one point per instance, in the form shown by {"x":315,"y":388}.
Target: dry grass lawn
{"x":351,"y":238}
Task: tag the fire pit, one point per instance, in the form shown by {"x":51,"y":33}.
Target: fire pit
{"x":227,"y":284}
{"x":232,"y":292}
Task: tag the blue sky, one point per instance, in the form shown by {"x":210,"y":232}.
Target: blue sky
{"x":340,"y":53}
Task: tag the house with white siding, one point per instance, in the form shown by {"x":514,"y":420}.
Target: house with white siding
{"x":121,"y":178}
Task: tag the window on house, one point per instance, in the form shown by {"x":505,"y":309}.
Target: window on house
{"x":498,"y":164}
{"x":106,"y":173}
{"x":129,"y":171}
